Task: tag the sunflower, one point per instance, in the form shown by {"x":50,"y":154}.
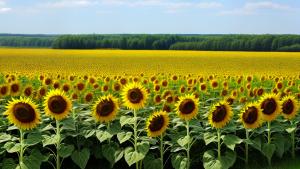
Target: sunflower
{"x":270,"y":106}
{"x":220,"y":114}
{"x":57,"y":104}
{"x":15,"y":89}
{"x":105,"y":109}
{"x":134,"y":96}
{"x":251,"y":116}
{"x":28,"y":91}
{"x":4,"y":90}
{"x":157,"y":123}
{"x":23,"y":113}
{"x":187,"y":107}
{"x":289,"y":107}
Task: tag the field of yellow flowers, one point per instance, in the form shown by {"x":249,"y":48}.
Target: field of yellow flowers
{"x":101,"y":109}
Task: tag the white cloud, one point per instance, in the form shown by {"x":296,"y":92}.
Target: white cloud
{"x":68,"y":3}
{"x":3,"y":7}
{"x":251,"y":8}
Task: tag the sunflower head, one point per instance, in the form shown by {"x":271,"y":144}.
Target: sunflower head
{"x":289,"y":107}
{"x":270,"y":106}
{"x":105,"y":109}
{"x":23,"y":113}
{"x":251,"y":116}
{"x":187,"y":107}
{"x":220,"y":114}
{"x":134,"y":96}
{"x":57,"y":104}
{"x":157,"y":123}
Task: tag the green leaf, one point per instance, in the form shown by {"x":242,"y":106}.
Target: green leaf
{"x":65,"y":150}
{"x":122,"y":137}
{"x":179,"y":161}
{"x":183,"y":141}
{"x":33,"y":138}
{"x":112,"y":152}
{"x":291,"y":129}
{"x":268,"y":150}
{"x":4,"y":137}
{"x":103,"y":135}
{"x":279,"y":141}
{"x":132,"y":156}
{"x":256,"y":143}
{"x":127,"y":120}
{"x":12,"y":147}
{"x":49,"y":140}
{"x":231,"y":140}
{"x":35,"y":160}
{"x":68,"y":124}
{"x":8,"y":163}
{"x":81,"y":157}
{"x":88,"y":133}
{"x":151,"y":163}
{"x":210,"y":160}
{"x":209,"y":138}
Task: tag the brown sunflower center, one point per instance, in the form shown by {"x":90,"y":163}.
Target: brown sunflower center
{"x":57,"y":104}
{"x":24,"y":112}
{"x":250,"y":116}
{"x":269,"y":106}
{"x":14,"y":88}
{"x":187,"y":106}
{"x":288,"y":107}
{"x":105,"y":108}
{"x":28,"y":91}
{"x":4,"y":90}
{"x":156,"y":123}
{"x":219,"y":114}
{"x":135,"y":95}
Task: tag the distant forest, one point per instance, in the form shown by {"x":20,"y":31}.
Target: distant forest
{"x":156,"y":42}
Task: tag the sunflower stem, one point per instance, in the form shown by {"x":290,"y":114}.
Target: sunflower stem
{"x":108,"y":128}
{"x":21,"y":147}
{"x":247,"y":147}
{"x":219,"y":143}
{"x":135,"y":135}
{"x":269,"y":140}
{"x":57,"y":145}
{"x":162,"y":151}
{"x":188,"y":144}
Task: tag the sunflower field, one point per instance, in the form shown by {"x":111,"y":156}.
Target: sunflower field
{"x":148,"y":109}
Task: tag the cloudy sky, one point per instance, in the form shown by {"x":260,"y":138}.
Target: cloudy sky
{"x":150,"y":16}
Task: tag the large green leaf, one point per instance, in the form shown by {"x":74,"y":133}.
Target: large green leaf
{"x":124,"y":136}
{"x":256,"y":143}
{"x":151,"y":163}
{"x":231,"y":140}
{"x":5,"y":137}
{"x":33,"y":138}
{"x":127,"y":120}
{"x":268,"y":150}
{"x":12,"y":147}
{"x":65,"y":150}
{"x":49,"y":140}
{"x":112,"y":152}
{"x":103,"y":135}
{"x":209,"y":137}
{"x":81,"y":157}
{"x":132,"y":156}
{"x":179,"y":161}
{"x":184,"y":141}
{"x":68,"y":124}
{"x":35,"y":160}
{"x":210,"y":160}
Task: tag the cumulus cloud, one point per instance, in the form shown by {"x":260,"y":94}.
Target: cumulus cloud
{"x":251,"y":8}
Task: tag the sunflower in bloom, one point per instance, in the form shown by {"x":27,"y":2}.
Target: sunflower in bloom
{"x":220,"y":114}
{"x":270,"y":106}
{"x":105,"y":109}
{"x":23,"y":113}
{"x":289,"y":107}
{"x":251,"y":116}
{"x":157,"y":123}
{"x":187,"y":107}
{"x":57,"y":104}
{"x":134,"y":96}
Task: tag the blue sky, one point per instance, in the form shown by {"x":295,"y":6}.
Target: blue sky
{"x":150,"y":16}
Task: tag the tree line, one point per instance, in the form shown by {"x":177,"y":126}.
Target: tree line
{"x":158,"y":42}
